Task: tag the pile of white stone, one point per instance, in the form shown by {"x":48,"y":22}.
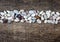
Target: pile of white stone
{"x":31,"y":16}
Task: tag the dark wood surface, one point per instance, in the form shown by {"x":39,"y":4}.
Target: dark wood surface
{"x":25,"y":32}
{"x":28,"y":4}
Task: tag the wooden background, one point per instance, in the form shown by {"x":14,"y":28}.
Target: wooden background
{"x":28,"y":4}
{"x":24,"y":32}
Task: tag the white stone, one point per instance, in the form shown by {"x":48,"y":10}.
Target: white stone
{"x":52,"y":13}
{"x":8,"y":11}
{"x":56,"y":22}
{"x":1,"y":21}
{"x":45,"y":16}
{"x":2,"y":13}
{"x":57,"y":13}
{"x":30,"y":21}
{"x":42,"y":18}
{"x":48,"y":14}
{"x":53,"y":21}
{"x":32,"y":15}
{"x":49,"y":10}
{"x":58,"y":18}
{"x":45,"y":21}
{"x":23,"y":14}
{"x":41,"y":12}
{"x":29,"y":18}
{"x":49,"y":21}
{"x":54,"y":17}
{"x":31,"y":11}
{"x":22,"y":10}
{"x":2,"y":17}
{"x":16,"y":11}
{"x":10,"y":18}
{"x":33,"y":19}
{"x":5,"y":12}
{"x":22,"y":20}
{"x":8,"y":15}
{"x":38,"y":21}
{"x":25,"y":17}
{"x":16,"y":20}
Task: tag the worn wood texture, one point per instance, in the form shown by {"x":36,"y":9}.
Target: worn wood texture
{"x":28,"y":4}
{"x":25,"y":32}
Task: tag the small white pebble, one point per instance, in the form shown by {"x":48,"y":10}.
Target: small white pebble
{"x":16,"y":20}
{"x":22,"y":20}
{"x":38,"y":21}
